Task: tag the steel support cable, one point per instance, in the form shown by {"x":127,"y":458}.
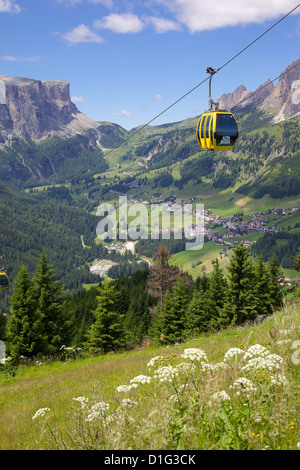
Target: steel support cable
{"x":185,"y":95}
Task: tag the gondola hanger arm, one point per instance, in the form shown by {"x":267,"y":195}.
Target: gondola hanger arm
{"x":211,"y":102}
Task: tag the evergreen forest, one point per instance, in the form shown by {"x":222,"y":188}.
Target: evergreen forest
{"x":157,"y":305}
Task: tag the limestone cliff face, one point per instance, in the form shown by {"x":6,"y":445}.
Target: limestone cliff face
{"x":285,"y":97}
{"x":32,"y":109}
{"x":282,"y":100}
{"x":229,"y":100}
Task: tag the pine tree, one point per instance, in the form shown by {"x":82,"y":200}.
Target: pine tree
{"x":107,"y":332}
{"x":197,"y":318}
{"x":216,"y":296}
{"x":174,"y":313}
{"x":25,"y":334}
{"x":263,"y":304}
{"x":275,"y":272}
{"x":49,"y":298}
{"x":241,"y":296}
{"x":296,"y":264}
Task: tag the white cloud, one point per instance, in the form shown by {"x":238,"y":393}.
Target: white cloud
{"x":106,"y":3}
{"x":124,"y":23}
{"x":158,"y":97}
{"x":13,"y":58}
{"x":82,"y":33}
{"x":9,"y":6}
{"x":200,"y":15}
{"x":123,"y":113}
{"x":162,"y":25}
{"x":77,"y":99}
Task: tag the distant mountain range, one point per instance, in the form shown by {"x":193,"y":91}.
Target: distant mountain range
{"x":281,"y":100}
{"x":43,"y":136}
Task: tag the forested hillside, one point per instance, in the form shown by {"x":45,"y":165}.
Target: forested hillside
{"x":162,"y":305}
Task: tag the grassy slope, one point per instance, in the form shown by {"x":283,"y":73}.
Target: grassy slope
{"x":54,"y":385}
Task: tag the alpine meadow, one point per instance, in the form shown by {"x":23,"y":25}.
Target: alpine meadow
{"x":149,"y":277}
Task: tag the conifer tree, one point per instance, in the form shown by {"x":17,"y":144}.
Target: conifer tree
{"x":174,"y":312}
{"x":240,"y":304}
{"x":107,"y":332}
{"x":49,"y":298}
{"x":296,"y":264}
{"x":263,"y":304}
{"x":275,"y":272}
{"x":216,"y":296}
{"x":25,"y":334}
{"x":197,"y":318}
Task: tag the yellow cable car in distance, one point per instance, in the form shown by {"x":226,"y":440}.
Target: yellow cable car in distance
{"x":3,"y":281}
{"x":217,"y":129}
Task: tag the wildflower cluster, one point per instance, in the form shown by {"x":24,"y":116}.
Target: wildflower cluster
{"x":126,"y":388}
{"x":142,"y":379}
{"x":233,"y":353}
{"x":41,"y":413}
{"x":195,"y":354}
{"x":192,"y":392}
{"x":166,"y":373}
{"x":218,"y":397}
{"x":97,"y":411}
{"x":269,"y":362}
{"x":82,"y":400}
{"x":243,"y":386}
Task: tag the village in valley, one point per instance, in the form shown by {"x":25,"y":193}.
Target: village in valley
{"x":223,"y":231}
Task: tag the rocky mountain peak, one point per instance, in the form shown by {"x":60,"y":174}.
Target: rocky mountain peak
{"x":281,"y":100}
{"x":32,"y":109}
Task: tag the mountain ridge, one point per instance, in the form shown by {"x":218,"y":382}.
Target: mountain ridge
{"x":280,"y":99}
{"x":43,"y":135}
{"x":33,"y":109}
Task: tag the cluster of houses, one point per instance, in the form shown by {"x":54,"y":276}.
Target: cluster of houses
{"x":257,"y":222}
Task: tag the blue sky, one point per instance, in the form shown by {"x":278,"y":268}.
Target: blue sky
{"x":128,"y":60}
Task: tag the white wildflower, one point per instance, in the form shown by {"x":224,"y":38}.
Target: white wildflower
{"x":195,"y":354}
{"x":233,"y":353}
{"x":269,"y":362}
{"x":126,"y":388}
{"x":153,"y":362}
{"x":219,"y":397}
{"x":214,"y":367}
{"x":127,"y":403}
{"x":82,"y":400}
{"x":243,"y":385}
{"x":41,"y":413}
{"x":256,"y":351}
{"x":97,"y":411}
{"x":166,"y":373}
{"x":4,"y":360}
{"x":278,"y":379}
{"x":142,"y":379}
{"x":185,"y":367}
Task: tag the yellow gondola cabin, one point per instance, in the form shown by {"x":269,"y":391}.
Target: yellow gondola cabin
{"x":3,"y":280}
{"x":217,"y":130}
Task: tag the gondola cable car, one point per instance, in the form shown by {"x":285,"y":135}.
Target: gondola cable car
{"x":3,"y":279}
{"x":217,"y":129}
